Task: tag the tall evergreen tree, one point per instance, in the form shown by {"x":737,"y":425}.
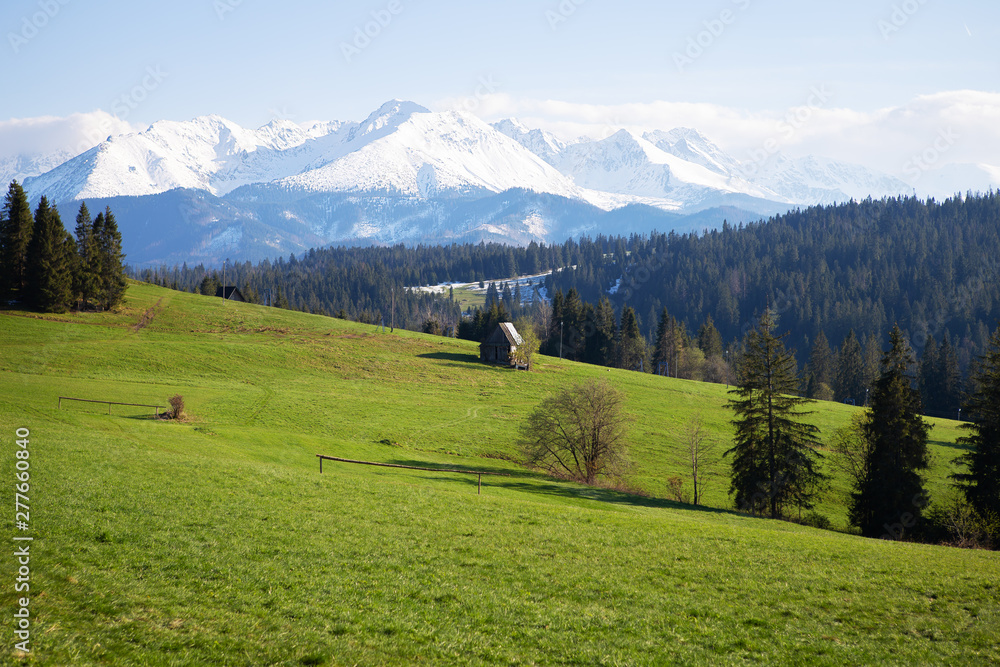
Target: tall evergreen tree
{"x":492,"y":295}
{"x":50,"y":280}
{"x":928,"y":380}
{"x":553,"y":343}
{"x":87,"y":271}
{"x":891,"y":496}
{"x":949,"y":381}
{"x":850,"y":378}
{"x":605,"y":331}
{"x":111,"y":284}
{"x":873,"y":361}
{"x":572,"y":312}
{"x":821,"y":367}
{"x":709,"y":339}
{"x":16,"y":226}
{"x":631,"y":345}
{"x":774,"y":462}
{"x":668,"y":344}
{"x":981,"y":481}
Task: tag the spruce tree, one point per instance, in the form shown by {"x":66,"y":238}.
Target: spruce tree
{"x":631,"y":345}
{"x":112,"y":282}
{"x":605,"y":332}
{"x":774,"y":462}
{"x":891,"y":496}
{"x":709,"y":339}
{"x":928,"y":380}
{"x":16,"y":227}
{"x":873,"y":361}
{"x":668,"y":344}
{"x":850,"y":377}
{"x":821,"y":366}
{"x":981,"y":482}
{"x":49,"y":277}
{"x":88,"y":264}
{"x":553,"y":346}
{"x":950,"y":381}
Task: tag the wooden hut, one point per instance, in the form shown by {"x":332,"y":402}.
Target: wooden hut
{"x":501,"y":345}
{"x":230,"y":294}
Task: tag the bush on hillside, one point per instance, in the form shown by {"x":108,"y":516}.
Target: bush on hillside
{"x":177,"y":403}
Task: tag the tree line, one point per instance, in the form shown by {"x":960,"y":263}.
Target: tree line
{"x":42,"y":266}
{"x":774,"y":460}
{"x":859,"y":267}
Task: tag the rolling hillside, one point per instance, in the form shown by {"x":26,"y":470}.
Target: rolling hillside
{"x":217,"y":541}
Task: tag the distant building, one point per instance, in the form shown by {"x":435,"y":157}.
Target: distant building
{"x":501,"y":345}
{"x":230,"y":294}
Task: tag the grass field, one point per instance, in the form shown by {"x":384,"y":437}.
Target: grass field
{"x":217,"y":542}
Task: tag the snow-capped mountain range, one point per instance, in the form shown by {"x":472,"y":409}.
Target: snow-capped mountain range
{"x":406,"y":174}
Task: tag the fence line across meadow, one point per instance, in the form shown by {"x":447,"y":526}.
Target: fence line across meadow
{"x":110,"y":403}
{"x":480,"y":474}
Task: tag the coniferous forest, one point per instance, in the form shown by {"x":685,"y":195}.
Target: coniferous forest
{"x":45,"y":268}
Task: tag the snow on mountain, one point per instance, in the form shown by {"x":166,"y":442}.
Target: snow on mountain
{"x":406,"y":174}
{"x":816,"y":180}
{"x":955,"y":179}
{"x":691,"y":145}
{"x":675,"y":172}
{"x":543,"y":144}
{"x":401,"y":147}
{"x":207,"y":153}
{"x":628,"y":164}
{"x":20,"y":167}
{"x":406,"y":149}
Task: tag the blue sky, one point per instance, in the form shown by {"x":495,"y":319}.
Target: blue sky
{"x":634,"y":62}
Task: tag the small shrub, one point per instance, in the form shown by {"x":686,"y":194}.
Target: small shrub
{"x":177,"y":403}
{"x":817,"y":520}
{"x":675,"y":490}
{"x":955,"y":523}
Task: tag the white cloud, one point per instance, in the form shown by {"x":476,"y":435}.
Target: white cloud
{"x":46,"y":135}
{"x":892,"y":140}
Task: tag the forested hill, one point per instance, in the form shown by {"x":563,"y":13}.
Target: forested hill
{"x":931,"y":267}
{"x":361,"y":283}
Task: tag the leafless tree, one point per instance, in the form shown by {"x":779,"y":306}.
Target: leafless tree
{"x":700,"y":446}
{"x":580,"y":433}
{"x":853,"y":449}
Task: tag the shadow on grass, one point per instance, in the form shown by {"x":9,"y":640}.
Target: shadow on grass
{"x":495,"y":472}
{"x":451,"y":356}
{"x":951,"y":445}
{"x":603,"y":496}
{"x":526,"y":481}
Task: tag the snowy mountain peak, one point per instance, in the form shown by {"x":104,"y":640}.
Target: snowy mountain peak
{"x":691,"y":145}
{"x":512,"y":127}
{"x":543,"y":144}
{"x":389,"y":116}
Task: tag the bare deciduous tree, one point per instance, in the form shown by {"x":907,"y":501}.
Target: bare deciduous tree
{"x":700,"y":447}
{"x":853,"y":448}
{"x":580,"y":432}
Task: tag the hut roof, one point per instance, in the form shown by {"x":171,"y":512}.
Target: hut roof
{"x":229,"y":292}
{"x":510,"y":333}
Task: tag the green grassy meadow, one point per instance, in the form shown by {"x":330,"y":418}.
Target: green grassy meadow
{"x":215,"y":541}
